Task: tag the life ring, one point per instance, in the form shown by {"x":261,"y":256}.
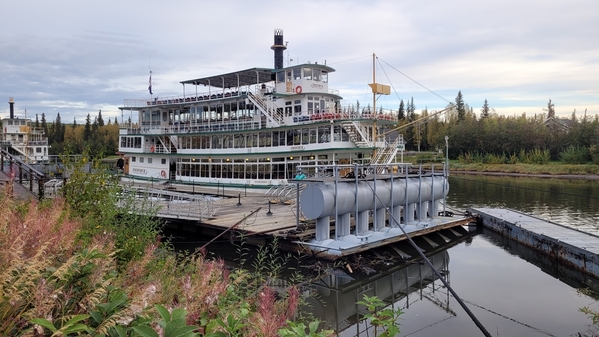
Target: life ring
{"x":163,"y":174}
{"x":298,"y":89}
{"x":152,"y":148}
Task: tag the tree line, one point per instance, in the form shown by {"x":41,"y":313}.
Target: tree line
{"x":493,"y":134}
{"x":100,"y":138}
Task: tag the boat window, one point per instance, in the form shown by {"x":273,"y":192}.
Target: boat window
{"x":133,"y":159}
{"x":305,"y":136}
{"x":141,"y":159}
{"x":9,"y":122}
{"x":149,"y":160}
{"x":316,"y":75}
{"x":324,"y":76}
{"x":289,"y":78}
{"x":297,"y":110}
{"x":307,"y":73}
{"x":297,"y":73}
{"x":163,"y":161}
{"x":281,"y":77}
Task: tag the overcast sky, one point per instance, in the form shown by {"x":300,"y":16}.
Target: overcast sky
{"x":76,"y":57}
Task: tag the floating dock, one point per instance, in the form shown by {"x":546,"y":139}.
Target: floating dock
{"x":328,"y":217}
{"x":572,"y":247}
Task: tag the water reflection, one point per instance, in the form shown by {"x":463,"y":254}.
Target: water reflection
{"x":570,"y":202}
{"x":334,"y":297}
{"x":572,"y":277}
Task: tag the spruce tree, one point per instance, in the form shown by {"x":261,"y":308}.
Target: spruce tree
{"x":74,"y":123}
{"x":100,"y":119}
{"x":401,"y":113}
{"x":411,"y":110}
{"x":58,"y":130}
{"x":485,"y":110}
{"x":460,"y":106}
{"x":87,"y":132}
{"x":44,"y":124}
{"x":550,"y":110}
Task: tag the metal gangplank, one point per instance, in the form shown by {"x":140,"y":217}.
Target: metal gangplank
{"x":285,"y":194}
{"x":169,"y":204}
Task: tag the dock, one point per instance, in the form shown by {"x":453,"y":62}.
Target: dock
{"x":311,"y":218}
{"x":569,"y":246}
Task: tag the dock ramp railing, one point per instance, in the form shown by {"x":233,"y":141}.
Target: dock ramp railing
{"x":285,"y":194}
{"x":169,"y":204}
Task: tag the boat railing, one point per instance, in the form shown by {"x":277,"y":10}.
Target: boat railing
{"x":206,"y":96}
{"x":319,"y":115}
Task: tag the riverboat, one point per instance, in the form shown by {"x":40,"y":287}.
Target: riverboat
{"x":22,"y":139}
{"x":253,"y":127}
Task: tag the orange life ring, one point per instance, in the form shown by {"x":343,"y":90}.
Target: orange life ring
{"x":163,"y":174}
{"x":298,"y":89}
{"x":152,"y":148}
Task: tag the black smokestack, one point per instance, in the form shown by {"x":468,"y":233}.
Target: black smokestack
{"x":278,"y":47}
{"x":11,"y":103}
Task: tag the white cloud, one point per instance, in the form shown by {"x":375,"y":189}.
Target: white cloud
{"x":77,"y":57}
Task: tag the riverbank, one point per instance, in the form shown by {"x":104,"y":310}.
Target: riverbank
{"x":551,"y":170}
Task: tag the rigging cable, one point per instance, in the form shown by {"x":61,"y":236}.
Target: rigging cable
{"x":430,"y":264}
{"x":413,"y":80}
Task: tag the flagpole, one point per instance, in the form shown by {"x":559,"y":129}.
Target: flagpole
{"x":150,"y":85}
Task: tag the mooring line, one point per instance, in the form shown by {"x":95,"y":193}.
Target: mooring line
{"x":430,"y":264}
{"x":511,"y":319}
{"x":230,"y":228}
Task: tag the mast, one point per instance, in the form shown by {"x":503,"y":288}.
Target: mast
{"x":374,"y":97}
{"x":377,"y":89}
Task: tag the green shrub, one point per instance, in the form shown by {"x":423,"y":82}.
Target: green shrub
{"x":594,"y":153}
{"x":575,"y":155}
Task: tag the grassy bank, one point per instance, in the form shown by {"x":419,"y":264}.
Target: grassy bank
{"x":552,"y":168}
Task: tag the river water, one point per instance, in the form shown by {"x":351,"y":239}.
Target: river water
{"x":511,"y":290}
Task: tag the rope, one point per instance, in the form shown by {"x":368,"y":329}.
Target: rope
{"x":439,"y":276}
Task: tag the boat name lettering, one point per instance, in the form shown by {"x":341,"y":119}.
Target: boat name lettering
{"x":315,"y":85}
{"x":297,"y":147}
{"x":140,"y":171}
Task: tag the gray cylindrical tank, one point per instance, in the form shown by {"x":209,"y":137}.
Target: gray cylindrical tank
{"x":319,"y":200}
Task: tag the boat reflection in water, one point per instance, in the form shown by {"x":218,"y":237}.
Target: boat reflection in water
{"x":334,"y":296}
{"x":412,"y":286}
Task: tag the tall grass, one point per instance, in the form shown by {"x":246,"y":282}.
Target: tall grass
{"x":60,"y":274}
{"x":535,"y":156}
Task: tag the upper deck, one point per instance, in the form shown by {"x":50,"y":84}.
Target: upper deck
{"x":295,"y":80}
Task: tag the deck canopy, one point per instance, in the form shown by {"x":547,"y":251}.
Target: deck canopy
{"x":235,"y":79}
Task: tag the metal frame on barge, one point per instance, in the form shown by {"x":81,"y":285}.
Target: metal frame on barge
{"x":335,"y":215}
